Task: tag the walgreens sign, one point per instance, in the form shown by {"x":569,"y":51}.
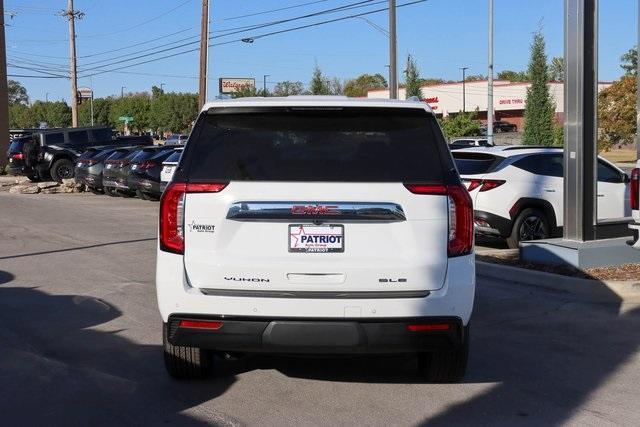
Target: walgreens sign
{"x":233,"y":84}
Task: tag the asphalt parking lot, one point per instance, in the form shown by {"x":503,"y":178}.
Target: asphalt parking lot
{"x":81,"y":344}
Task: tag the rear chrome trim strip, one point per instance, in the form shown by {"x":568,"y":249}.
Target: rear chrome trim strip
{"x":316,"y":211}
{"x":314,"y":294}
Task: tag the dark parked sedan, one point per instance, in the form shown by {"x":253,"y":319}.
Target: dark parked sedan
{"x":144,"y":176}
{"x":90,"y":165}
{"x":114,"y":175}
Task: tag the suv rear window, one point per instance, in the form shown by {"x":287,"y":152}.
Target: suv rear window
{"x":175,"y":157}
{"x":475,"y":163}
{"x":316,"y":144}
{"x":145,"y":154}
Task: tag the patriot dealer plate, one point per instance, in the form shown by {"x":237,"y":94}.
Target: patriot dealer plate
{"x":316,"y":238}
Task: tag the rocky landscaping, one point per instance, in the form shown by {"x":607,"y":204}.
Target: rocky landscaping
{"x":24,"y":186}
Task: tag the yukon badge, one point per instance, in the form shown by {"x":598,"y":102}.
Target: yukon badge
{"x":201,"y":228}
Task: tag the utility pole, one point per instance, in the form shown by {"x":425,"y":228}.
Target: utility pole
{"x":490,"y":78}
{"x":122,"y":88}
{"x":204,"y":45}
{"x":464,"y":89}
{"x":4,"y":92}
{"x":71,"y":15}
{"x":264,"y":84}
{"x":393,"y":45}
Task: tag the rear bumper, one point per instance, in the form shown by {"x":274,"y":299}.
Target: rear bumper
{"x":176,"y":296}
{"x":145,"y":185}
{"x":313,"y":336}
{"x":491,"y":224}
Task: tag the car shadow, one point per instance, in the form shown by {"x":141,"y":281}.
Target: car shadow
{"x":549,"y":361}
{"x":62,"y":364}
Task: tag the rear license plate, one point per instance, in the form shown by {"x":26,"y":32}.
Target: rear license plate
{"x":316,"y":238}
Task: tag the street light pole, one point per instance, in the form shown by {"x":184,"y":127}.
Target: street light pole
{"x":464,"y":89}
{"x":393,"y":45}
{"x":162,"y":87}
{"x":490,"y":78}
{"x":122,"y":88}
{"x":264,"y":84}
{"x":46,"y":97}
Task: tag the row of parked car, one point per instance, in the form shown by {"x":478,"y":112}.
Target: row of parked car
{"x":141,"y":171}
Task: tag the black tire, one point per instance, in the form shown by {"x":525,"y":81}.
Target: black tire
{"x":95,"y":190}
{"x":185,"y":363}
{"x":141,"y":195}
{"x":530,"y":224}
{"x":62,"y":169}
{"x":34,"y":178}
{"x":445,"y":366}
{"x":110,"y":192}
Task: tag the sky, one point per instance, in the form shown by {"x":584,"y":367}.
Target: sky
{"x":442,"y":35}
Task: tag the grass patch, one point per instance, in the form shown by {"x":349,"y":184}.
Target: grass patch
{"x":620,"y":156}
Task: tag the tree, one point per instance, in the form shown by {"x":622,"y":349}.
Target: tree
{"x":319,"y":85}
{"x":335,"y":86}
{"x":412,"y":83}
{"x":476,"y":77}
{"x":617,"y":113}
{"x":101,"y":112}
{"x":361,"y":85}
{"x":513,"y":76}
{"x":630,"y":62}
{"x":556,"y":69}
{"x":56,"y":114}
{"x":539,"y":107}
{"x":461,"y":124}
{"x":17,"y":93}
{"x":430,"y":81}
{"x":287,"y":88}
{"x":246,"y":91}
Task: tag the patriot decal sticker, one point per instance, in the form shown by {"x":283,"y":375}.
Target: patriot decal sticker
{"x":316,"y":238}
{"x":201,"y":228}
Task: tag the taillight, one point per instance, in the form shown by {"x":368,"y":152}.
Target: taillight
{"x":490,"y":184}
{"x":475,"y":183}
{"x":484,"y":184}
{"x":172,"y":212}
{"x":420,"y":327}
{"x":200,"y":324}
{"x":635,"y":188}
{"x":17,"y":156}
{"x":461,"y":230}
{"x":147,"y":164}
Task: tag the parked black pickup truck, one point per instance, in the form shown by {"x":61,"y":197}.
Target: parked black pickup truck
{"x":52,"y":153}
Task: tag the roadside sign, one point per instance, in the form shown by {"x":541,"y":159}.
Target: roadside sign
{"x":85,"y":92}
{"x":125,"y":119}
{"x":234,"y":84}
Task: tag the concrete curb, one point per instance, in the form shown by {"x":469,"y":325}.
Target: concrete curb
{"x":593,"y":290}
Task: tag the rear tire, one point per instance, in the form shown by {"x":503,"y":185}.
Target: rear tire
{"x":445,"y":366}
{"x":62,"y":169}
{"x":185,"y":363}
{"x":110,"y":192}
{"x":141,"y":195}
{"x":530,"y":224}
{"x":95,"y":190}
{"x":34,"y":178}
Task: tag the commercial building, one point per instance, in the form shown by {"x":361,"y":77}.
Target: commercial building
{"x":508,"y":98}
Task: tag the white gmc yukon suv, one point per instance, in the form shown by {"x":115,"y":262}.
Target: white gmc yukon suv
{"x":316,"y":225}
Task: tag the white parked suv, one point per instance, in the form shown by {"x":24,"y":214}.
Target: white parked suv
{"x":635,"y":208}
{"x":168,"y":168}
{"x":317,"y":225}
{"x":517,"y":191}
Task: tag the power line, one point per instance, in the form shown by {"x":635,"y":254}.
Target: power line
{"x":359,"y":4}
{"x":252,"y":37}
{"x":155,"y":18}
{"x":264,"y":12}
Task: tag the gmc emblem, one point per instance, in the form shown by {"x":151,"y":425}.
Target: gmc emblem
{"x":314,"y":210}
